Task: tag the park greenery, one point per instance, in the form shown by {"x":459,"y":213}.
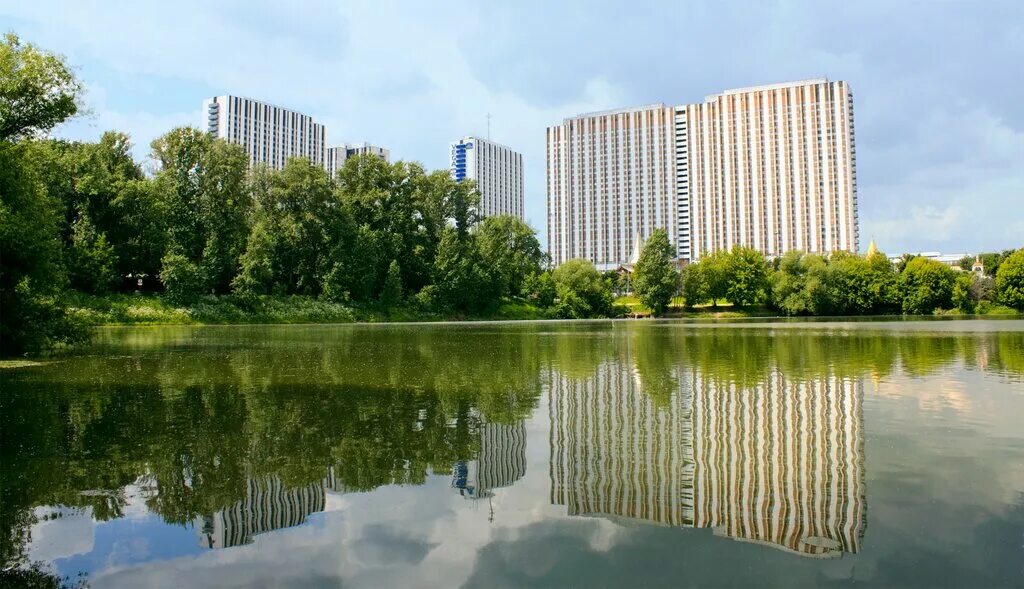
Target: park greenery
{"x":211,"y":239}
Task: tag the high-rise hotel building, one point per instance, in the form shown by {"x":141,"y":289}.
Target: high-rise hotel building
{"x":269,"y":134}
{"x":770,"y":167}
{"x":497,"y":170}
{"x":611,"y":177}
{"x":336,"y":156}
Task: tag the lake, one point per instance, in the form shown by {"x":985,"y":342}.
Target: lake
{"x":549,"y":454}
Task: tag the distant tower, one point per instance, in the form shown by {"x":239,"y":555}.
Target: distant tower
{"x":978,"y":268}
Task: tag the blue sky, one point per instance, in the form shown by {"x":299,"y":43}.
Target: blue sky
{"x":937,"y":85}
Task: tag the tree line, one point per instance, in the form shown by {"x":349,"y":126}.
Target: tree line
{"x":84,"y":217}
{"x":843,"y":283}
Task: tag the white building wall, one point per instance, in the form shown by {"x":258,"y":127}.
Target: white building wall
{"x":269,"y":134}
{"x":497,"y":171}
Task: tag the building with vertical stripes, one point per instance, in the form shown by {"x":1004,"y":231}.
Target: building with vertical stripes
{"x":267,"y":505}
{"x":269,"y":134}
{"x":501,"y":462}
{"x":336,"y":157}
{"x":770,"y":167}
{"x":781,"y":463}
{"x":497,"y":171}
{"x":778,"y":463}
{"x":774,"y":168}
{"x":610,"y":181}
{"x":615,"y":453}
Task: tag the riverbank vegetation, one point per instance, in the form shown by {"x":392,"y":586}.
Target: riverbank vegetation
{"x":86,"y":238}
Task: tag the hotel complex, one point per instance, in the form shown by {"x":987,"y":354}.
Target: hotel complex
{"x":272,"y":135}
{"x":497,"y":171}
{"x":770,"y":167}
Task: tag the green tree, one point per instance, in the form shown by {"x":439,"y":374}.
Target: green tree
{"x":655,"y":279}
{"x":510,"y":248}
{"x":540,"y":288}
{"x":745,"y":276}
{"x":581,"y":291}
{"x":715,"y":271}
{"x":38,"y":90}
{"x":926,"y":285}
{"x":1010,"y":280}
{"x":462,"y":280}
{"x":202,"y":182}
{"x":91,"y":261}
{"x":695,"y":284}
{"x":963,"y":289}
{"x":796,"y":284}
{"x":392,"y":293}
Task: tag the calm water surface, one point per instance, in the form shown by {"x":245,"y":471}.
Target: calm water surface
{"x":527,"y":454}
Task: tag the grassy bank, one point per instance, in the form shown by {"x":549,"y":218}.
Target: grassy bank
{"x":151,"y":309}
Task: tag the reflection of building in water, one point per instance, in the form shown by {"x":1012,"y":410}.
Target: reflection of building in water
{"x":779,"y":463}
{"x":613,"y":452}
{"x":501,"y":462}
{"x":267,"y":506}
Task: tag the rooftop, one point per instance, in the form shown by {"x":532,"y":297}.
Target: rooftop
{"x":616,"y":111}
{"x":763,"y":87}
{"x":482,"y":140}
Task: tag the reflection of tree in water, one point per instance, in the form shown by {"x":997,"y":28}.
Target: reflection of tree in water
{"x":197,"y":417}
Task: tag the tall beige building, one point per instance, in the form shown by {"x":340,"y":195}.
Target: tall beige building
{"x":770,"y":167}
{"x":773,"y":168}
{"x":610,"y":178}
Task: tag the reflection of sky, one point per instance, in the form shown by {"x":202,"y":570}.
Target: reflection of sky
{"x":940,"y":482}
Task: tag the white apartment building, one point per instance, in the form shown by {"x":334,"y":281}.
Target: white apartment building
{"x":269,"y":134}
{"x":770,"y":167}
{"x":497,"y":170}
{"x":336,"y":156}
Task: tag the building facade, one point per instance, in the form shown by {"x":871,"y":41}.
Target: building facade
{"x":336,"y":156}
{"x":773,"y":168}
{"x":770,"y":167}
{"x":497,"y":171}
{"x":269,"y":134}
{"x":610,"y":179}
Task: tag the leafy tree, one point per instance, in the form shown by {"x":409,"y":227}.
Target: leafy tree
{"x":392,"y":293}
{"x":296,"y":220}
{"x":963,"y":288}
{"x":541,"y":289}
{"x":202,"y":182}
{"x":91,"y":260}
{"x":1010,"y":280}
{"x":796,"y":285}
{"x":38,"y":90}
{"x":926,"y":285}
{"x":655,"y":279}
{"x":463,"y":281}
{"x":510,"y":248}
{"x":581,"y":291}
{"x":715,"y":270}
{"x":745,"y":276}
{"x":695,"y":284}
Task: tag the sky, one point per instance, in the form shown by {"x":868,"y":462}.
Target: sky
{"x":937,"y":85}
